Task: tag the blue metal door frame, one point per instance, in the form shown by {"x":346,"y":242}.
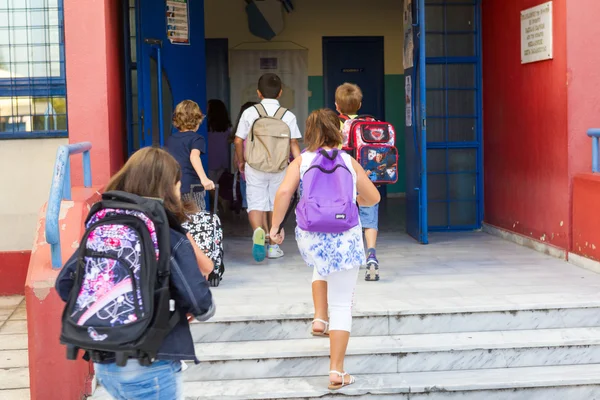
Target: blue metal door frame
{"x":475,"y":143}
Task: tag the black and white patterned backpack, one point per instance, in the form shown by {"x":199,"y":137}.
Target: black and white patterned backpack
{"x":205,"y":227}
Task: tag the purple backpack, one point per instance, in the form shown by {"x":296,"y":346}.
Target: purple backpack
{"x":327,"y":203}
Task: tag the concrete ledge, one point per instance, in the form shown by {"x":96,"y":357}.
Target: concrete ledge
{"x":525,"y":241}
{"x":584,"y":262}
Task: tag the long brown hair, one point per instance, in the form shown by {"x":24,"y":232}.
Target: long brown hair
{"x":152,"y":172}
{"x":322,"y":130}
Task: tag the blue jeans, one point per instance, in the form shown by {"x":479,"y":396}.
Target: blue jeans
{"x":369,"y":217}
{"x":160,"y":381}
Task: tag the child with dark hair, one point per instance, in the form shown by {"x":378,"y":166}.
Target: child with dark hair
{"x":219,"y":129}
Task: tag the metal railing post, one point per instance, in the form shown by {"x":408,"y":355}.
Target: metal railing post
{"x":61,"y":190}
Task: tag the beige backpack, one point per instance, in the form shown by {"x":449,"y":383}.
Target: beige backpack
{"x":268,"y":145}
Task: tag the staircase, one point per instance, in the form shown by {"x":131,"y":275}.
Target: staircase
{"x":495,"y":354}
{"x":470,"y":317}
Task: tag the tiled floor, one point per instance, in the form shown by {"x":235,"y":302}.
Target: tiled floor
{"x":14,"y":374}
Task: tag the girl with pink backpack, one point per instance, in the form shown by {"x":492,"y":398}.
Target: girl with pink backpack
{"x":329,"y":233}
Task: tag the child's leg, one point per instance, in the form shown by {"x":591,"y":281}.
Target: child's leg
{"x":319,"y":292}
{"x":369,"y":218}
{"x":340,"y":296}
{"x":275,"y":180}
{"x":258,"y":205}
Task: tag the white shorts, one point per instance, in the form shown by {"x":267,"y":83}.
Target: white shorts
{"x":261,"y":188}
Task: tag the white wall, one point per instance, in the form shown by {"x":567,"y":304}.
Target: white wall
{"x":25,"y":180}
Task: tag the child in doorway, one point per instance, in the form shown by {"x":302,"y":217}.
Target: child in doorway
{"x":237,"y":162}
{"x":219,"y":129}
{"x":348,"y":100}
{"x":185,"y":146}
{"x":335,"y":257}
{"x":261,"y":186}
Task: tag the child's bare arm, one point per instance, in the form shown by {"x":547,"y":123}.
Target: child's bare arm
{"x":197,"y":164}
{"x":295,"y":147}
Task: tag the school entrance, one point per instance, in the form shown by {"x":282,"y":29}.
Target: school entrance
{"x":203,"y":50}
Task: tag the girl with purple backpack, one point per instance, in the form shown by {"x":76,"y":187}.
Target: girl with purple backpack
{"x":329,"y":233}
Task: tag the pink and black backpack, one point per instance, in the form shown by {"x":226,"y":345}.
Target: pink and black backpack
{"x":119,"y":306}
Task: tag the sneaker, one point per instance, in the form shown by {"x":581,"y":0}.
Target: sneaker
{"x":274,"y":252}
{"x":372,"y":273}
{"x":258,"y":245}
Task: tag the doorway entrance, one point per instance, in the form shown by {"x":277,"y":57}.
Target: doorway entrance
{"x":444,"y":135}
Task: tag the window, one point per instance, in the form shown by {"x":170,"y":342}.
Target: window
{"x":32,"y":69}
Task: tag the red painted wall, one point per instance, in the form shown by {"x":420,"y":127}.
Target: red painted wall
{"x":93,"y":49}
{"x":583,"y":85}
{"x":51,"y":375}
{"x":586,"y":219}
{"x":525,"y":127}
{"x":13,"y":270}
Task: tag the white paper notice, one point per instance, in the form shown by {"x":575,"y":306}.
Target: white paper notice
{"x":536,"y":33}
{"x":178,"y":26}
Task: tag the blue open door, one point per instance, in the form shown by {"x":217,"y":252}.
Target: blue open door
{"x":416,"y":120}
{"x":171,"y":63}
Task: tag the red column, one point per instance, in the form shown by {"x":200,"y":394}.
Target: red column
{"x":583,"y":94}
{"x":94,"y":64}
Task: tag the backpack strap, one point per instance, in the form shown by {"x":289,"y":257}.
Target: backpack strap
{"x":331,"y":157}
{"x":344,"y":117}
{"x":260,"y":109}
{"x":280,"y":113}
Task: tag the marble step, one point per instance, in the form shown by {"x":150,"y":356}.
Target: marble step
{"x":296,"y":325}
{"x":573,"y":382}
{"x":395,"y":354}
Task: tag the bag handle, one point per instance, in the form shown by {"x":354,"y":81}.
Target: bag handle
{"x":365,"y":116}
{"x":331,"y":157}
{"x":123,"y":196}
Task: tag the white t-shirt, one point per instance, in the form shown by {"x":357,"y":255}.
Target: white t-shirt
{"x":271,"y":106}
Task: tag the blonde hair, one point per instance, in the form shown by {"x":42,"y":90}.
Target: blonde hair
{"x":187,"y":116}
{"x":348,"y":98}
{"x":152,"y":172}
{"x":322,"y":130}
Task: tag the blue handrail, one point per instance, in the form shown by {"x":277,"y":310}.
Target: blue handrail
{"x":61,"y":190}
{"x":595,"y":135}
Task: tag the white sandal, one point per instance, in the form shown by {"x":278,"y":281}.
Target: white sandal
{"x":336,"y":385}
{"x":325,"y":332}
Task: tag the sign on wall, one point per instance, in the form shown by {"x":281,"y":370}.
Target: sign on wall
{"x":536,"y":33}
{"x":178,"y":23}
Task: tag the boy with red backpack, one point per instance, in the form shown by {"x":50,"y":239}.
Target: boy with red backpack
{"x":371,"y":142}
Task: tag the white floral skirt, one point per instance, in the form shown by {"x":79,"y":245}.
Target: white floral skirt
{"x":332,"y":252}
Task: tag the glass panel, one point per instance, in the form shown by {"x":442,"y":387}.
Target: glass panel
{"x":434,"y":18}
{"x":463,"y":186}
{"x":436,"y":103}
{"x":462,"y":130}
{"x":436,"y":76}
{"x":436,"y":160}
{"x":463,"y":213}
{"x":462,"y":160}
{"x":460,"y":18}
{"x":434,"y":44}
{"x":436,"y":187}
{"x":437,"y":214}
{"x":167,"y":102}
{"x":461,"y":75}
{"x":461,"y":102}
{"x":461,"y":45}
{"x":436,"y":130}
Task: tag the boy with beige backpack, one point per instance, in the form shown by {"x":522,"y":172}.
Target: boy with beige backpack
{"x":271,"y":133}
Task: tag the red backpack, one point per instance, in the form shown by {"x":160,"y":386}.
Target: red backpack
{"x":373,"y":144}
